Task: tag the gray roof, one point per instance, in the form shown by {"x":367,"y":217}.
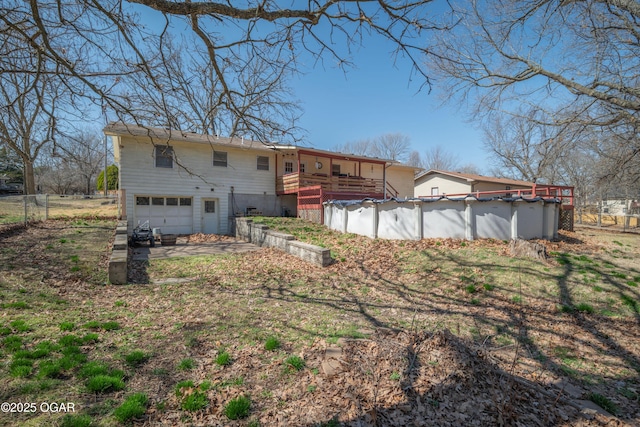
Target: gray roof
{"x":161,"y":135}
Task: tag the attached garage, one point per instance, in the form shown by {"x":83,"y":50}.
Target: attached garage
{"x":172,"y":214}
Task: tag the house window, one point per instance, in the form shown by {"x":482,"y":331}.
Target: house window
{"x":185,"y":201}
{"x":263,"y":163}
{"x":209,"y":206}
{"x":164,"y":156}
{"x":157,"y":201}
{"x":142,"y":201}
{"x":220,"y":158}
{"x":335,"y":170}
{"x":288,"y":167}
{"x":172,"y":201}
{"x":302,"y":167}
{"x":435,"y":191}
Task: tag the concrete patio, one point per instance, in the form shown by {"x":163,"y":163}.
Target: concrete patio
{"x":183,"y":248}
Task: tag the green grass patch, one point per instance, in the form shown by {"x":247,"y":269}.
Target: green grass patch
{"x":76,"y":420}
{"x":136,"y":358}
{"x":110,"y":326}
{"x":223,"y":359}
{"x":105,"y":383}
{"x":238,"y":408}
{"x":585,"y":308}
{"x":12,"y":343}
{"x":603,"y":402}
{"x":133,"y":407}
{"x":186,"y":364}
{"x":20,"y":305}
{"x":294,"y":362}
{"x":67,"y":326}
{"x":20,"y":325}
{"x":272,"y":344}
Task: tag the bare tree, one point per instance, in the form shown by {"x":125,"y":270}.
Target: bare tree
{"x":392,"y":146}
{"x":243,"y":53}
{"x":415,"y":159}
{"x":28,"y":102}
{"x":362,"y":147}
{"x":576,"y":61}
{"x":438,"y":158}
{"x":83,"y":156}
{"x":523,"y":147}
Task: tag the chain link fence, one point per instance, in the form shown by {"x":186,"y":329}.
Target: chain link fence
{"x":616,"y":213}
{"x":25,"y":209}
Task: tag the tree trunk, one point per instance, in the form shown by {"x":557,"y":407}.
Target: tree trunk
{"x":29,"y":177}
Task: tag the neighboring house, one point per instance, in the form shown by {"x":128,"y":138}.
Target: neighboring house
{"x":6,"y":187}
{"x":619,"y":207}
{"x":184,"y":182}
{"x":440,"y":183}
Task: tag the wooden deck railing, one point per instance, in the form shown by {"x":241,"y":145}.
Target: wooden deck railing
{"x":564,"y":193}
{"x":290,"y":183}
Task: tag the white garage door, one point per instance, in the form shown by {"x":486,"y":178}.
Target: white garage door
{"x":171,"y":214}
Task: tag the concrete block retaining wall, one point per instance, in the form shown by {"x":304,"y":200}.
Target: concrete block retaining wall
{"x":119,"y":255}
{"x":468,"y":218}
{"x":260,"y":235}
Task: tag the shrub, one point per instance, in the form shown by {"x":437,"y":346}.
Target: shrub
{"x":271,"y":344}
{"x":295,"y":362}
{"x":237,"y":408}
{"x":104,"y":383}
{"x":133,"y":407}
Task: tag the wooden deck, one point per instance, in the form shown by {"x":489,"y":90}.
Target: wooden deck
{"x":292,"y":182}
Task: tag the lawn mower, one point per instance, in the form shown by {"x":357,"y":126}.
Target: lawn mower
{"x":142,"y":233}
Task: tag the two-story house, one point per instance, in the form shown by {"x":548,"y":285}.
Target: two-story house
{"x":183,"y":182}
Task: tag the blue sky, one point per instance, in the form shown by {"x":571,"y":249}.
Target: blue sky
{"x":377,"y":97}
{"x":373,"y":98}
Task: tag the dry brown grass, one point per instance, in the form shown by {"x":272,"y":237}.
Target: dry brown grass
{"x":515,"y":327}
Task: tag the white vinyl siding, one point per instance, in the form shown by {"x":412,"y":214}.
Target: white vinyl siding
{"x":140,"y":177}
